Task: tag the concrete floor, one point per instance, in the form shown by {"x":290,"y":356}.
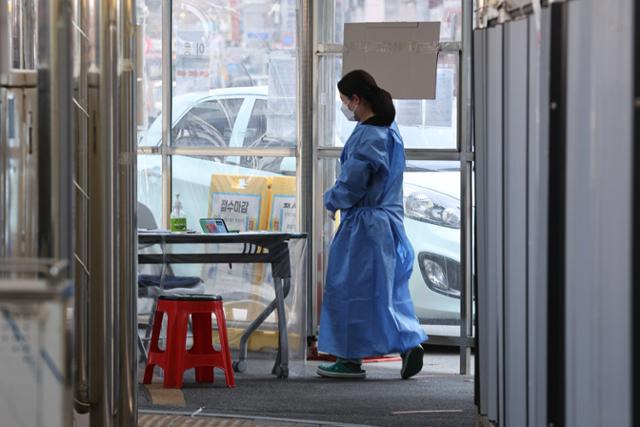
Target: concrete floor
{"x":435,"y":397}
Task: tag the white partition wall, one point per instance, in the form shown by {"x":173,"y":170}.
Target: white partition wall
{"x":493,"y":195}
{"x":480,"y":141}
{"x":515,"y":224}
{"x":553,"y":127}
{"x":537,"y":217}
{"x":599,"y":213}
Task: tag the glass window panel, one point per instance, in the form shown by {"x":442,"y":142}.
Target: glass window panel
{"x":149,"y":15}
{"x":257,"y":127}
{"x":327,"y":171}
{"x":426,"y":123}
{"x":206,"y":122}
{"x":432,"y":222}
{"x":260,"y":132}
{"x":149,"y":191}
{"x":250,"y":193}
{"x":244,"y":49}
{"x":329,"y":71}
{"x":448,"y":12}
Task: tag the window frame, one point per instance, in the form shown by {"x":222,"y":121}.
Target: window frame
{"x":312,"y":44}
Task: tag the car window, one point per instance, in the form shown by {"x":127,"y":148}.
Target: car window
{"x":209,"y":123}
{"x":257,"y":126}
{"x":256,"y":137}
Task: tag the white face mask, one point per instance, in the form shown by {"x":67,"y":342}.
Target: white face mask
{"x":350,"y":115}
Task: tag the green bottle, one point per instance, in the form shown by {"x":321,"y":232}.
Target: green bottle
{"x":178,"y":217}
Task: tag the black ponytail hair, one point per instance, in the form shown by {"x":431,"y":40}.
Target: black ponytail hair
{"x":361,"y":83}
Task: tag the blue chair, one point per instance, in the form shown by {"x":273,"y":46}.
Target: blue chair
{"x":152,"y":286}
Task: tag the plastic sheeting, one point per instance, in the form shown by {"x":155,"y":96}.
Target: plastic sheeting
{"x":19,"y":211}
{"x":33,"y":372}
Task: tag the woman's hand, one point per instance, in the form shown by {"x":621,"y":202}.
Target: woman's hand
{"x":332,"y":215}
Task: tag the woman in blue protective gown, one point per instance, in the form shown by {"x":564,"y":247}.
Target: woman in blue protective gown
{"x":367,"y":309}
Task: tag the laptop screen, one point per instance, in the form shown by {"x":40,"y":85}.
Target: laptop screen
{"x":213,"y":225}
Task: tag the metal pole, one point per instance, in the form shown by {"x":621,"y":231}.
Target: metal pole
{"x":167,"y":111}
{"x":54,"y":130}
{"x":127,"y":210}
{"x":29,"y":36}
{"x":56,"y":181}
{"x":18,"y":34}
{"x":81,"y":318}
{"x":61,"y":159}
{"x":103,"y":310}
{"x":141,"y":116}
{"x":109,"y":102}
{"x":112,"y":216}
{"x":5,"y":68}
{"x":25,"y":22}
{"x":323,"y":33}
{"x":5,"y":42}
{"x":304,"y":112}
{"x":466,"y":168}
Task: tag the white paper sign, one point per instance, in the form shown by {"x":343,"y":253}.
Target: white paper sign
{"x":240,"y":211}
{"x":401,"y":56}
{"x":283,"y":214}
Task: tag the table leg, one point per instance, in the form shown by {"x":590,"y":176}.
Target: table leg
{"x":240,"y":364}
{"x":281,"y":369}
{"x":287,"y":288}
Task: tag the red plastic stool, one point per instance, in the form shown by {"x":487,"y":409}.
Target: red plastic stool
{"x":202,"y":356}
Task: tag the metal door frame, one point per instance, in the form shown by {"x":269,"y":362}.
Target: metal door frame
{"x":308,"y":152}
{"x":463,"y":153}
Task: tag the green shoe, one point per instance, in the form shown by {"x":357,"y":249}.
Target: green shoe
{"x":412,"y":362}
{"x":341,"y":370}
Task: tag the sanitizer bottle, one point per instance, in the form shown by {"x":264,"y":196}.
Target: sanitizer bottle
{"x":178,"y":217}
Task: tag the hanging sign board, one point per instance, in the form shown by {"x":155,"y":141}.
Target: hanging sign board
{"x":401,"y":56}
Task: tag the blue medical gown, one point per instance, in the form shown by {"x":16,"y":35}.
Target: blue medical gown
{"x":367,"y":309}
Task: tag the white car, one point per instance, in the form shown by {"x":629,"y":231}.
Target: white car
{"x":432,"y":221}
{"x":237,"y":117}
